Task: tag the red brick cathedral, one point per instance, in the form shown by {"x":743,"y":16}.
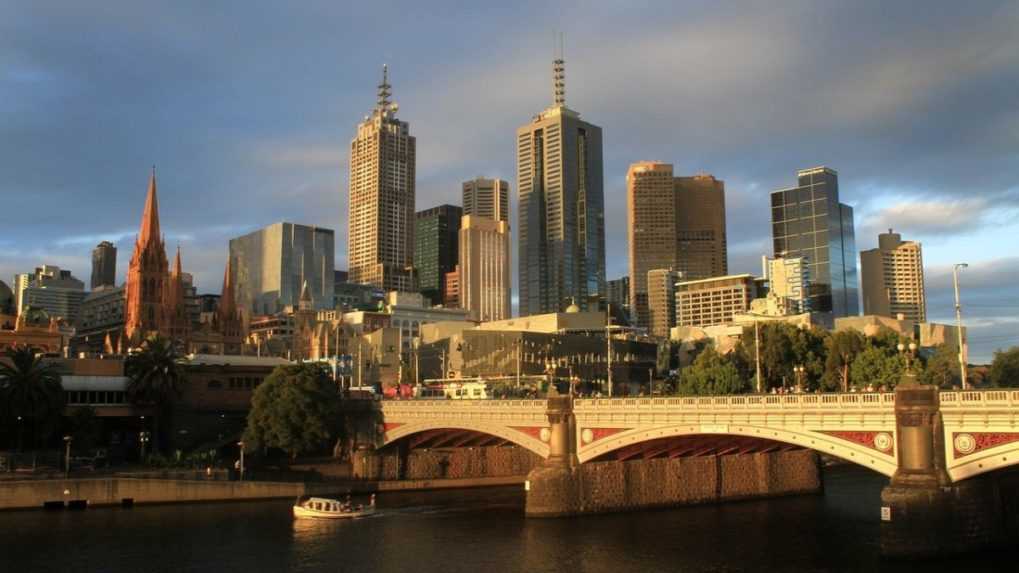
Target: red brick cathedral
{"x":154,"y":297}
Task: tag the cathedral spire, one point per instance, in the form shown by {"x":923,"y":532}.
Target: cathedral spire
{"x":150,"y":216}
{"x":227,"y":305}
{"x":177,"y":269}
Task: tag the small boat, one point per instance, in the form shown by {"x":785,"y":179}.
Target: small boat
{"x":326,"y":508}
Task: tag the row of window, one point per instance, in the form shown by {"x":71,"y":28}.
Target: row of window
{"x":91,"y":397}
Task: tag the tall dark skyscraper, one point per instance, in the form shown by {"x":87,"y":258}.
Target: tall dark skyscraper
{"x":104,"y":265}
{"x":562,"y":208}
{"x":809,"y":221}
{"x":436,"y":252}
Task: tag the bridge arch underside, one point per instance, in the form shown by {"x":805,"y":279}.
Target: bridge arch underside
{"x":692,"y":441}
{"x":445,"y":435}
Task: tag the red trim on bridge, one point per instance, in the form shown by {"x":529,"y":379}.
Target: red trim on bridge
{"x":391,"y":426}
{"x":974,"y":442}
{"x":867,"y":439}
{"x":533,"y":431}
{"x":602,"y":433}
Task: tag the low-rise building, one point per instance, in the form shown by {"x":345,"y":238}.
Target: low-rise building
{"x":708,"y":302}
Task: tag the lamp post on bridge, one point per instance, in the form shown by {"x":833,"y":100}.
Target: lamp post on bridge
{"x":958,"y":324}
{"x":909,"y":353}
{"x":799,"y":370}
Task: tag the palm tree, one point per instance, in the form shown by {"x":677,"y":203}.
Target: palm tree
{"x":154,"y":378}
{"x":30,"y":391}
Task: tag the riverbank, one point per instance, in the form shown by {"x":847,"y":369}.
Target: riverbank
{"x":129,"y":491}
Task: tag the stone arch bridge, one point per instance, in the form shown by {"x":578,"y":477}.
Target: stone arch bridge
{"x":979,"y":430}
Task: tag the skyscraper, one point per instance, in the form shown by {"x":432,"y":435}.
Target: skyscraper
{"x":562,"y":220}
{"x":892,"y":276}
{"x":809,"y":221}
{"x":789,"y":279}
{"x":487,"y":198}
{"x":485,"y":268}
{"x":52,"y":289}
{"x":271,"y":264}
{"x":674,"y":223}
{"x":436,"y":240}
{"x":380,"y":243}
{"x":104,"y":265}
{"x":619,"y":293}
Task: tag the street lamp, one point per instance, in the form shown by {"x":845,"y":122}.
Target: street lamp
{"x":240,"y":445}
{"x":143,"y":438}
{"x":958,"y":323}
{"x":799,"y":370}
{"x":67,"y":455}
{"x":20,"y":425}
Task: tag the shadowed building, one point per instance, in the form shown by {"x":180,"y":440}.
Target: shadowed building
{"x":562,"y":226}
{"x":661,"y":300}
{"x":436,"y":248}
{"x":380,"y":242}
{"x":809,"y":221}
{"x":892,"y":276}
{"x":674,"y":223}
{"x":104,"y":265}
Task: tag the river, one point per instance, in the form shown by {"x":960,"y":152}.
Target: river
{"x":479,"y":530}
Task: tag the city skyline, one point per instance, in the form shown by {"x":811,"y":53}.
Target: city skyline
{"x":294,"y":168}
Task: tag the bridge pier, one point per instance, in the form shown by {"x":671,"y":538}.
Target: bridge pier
{"x":922,"y":512}
{"x":553,"y":486}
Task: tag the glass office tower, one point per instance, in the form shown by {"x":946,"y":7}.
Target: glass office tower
{"x":809,"y":221}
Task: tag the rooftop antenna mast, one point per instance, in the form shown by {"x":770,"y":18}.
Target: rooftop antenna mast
{"x":559,"y":73}
{"x":385,"y":91}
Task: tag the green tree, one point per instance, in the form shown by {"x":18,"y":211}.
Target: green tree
{"x":31,"y":389}
{"x":296,"y":409}
{"x":876,"y":367}
{"x":1005,"y":368}
{"x":810,"y":350}
{"x":776,"y":355}
{"x":711,"y":374}
{"x":942,"y":368}
{"x":155,"y":379}
{"x":843,"y":348}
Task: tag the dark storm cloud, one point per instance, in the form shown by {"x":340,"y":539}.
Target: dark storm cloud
{"x":247,"y":110}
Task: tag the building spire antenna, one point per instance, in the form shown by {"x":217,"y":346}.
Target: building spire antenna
{"x":385,"y":90}
{"x":559,"y":74}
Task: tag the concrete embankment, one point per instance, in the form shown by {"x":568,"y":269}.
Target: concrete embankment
{"x":119,"y":490}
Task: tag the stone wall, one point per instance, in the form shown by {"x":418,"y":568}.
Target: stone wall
{"x":113,"y":491}
{"x":599,"y":487}
{"x":443,"y":463}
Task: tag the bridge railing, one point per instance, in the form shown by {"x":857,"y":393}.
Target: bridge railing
{"x":964,"y":399}
{"x":883,"y":400}
{"x":464,"y":404}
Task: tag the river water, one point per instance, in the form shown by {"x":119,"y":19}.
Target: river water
{"x":472,"y":530}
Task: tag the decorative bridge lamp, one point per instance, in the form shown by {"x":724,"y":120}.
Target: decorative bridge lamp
{"x":67,"y":455}
{"x":799,"y":370}
{"x":908,"y":377}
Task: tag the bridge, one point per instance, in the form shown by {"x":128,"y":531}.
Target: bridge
{"x":948,"y":454}
{"x":980,"y":428}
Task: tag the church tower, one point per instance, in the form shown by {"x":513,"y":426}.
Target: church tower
{"x":228,"y":318}
{"x":146,"y":276}
{"x":177,"y":323}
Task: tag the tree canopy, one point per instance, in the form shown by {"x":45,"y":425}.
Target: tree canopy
{"x":711,"y":374}
{"x":1005,"y":368}
{"x":296,"y":409}
{"x":31,"y":389}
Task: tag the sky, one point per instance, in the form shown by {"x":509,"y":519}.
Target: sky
{"x":247,"y":108}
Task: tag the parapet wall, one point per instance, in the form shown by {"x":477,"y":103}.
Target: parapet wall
{"x":600,"y":487}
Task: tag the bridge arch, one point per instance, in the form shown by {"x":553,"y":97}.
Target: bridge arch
{"x":522,"y":437}
{"x":857,"y":453}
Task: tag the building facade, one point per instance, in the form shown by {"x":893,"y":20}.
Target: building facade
{"x":488,"y":198}
{"x":436,"y":247}
{"x":380,"y":242}
{"x":808,"y":221}
{"x":673,"y":223}
{"x":661,"y":301}
{"x":714,"y":301}
{"x":104,"y":265}
{"x":272,"y":263}
{"x":485,"y":283}
{"x":892,"y":277}
{"x":52,"y":289}
{"x":561,"y":208}
{"x":789,"y":278}
{"x":101,"y":320}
